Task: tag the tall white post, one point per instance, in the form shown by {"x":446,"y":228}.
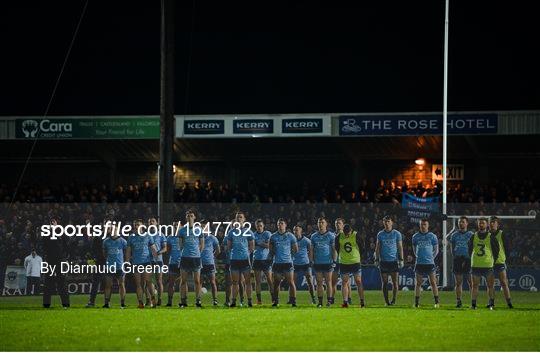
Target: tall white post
{"x":445,"y":143}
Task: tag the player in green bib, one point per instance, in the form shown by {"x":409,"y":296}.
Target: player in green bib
{"x":339,"y":224}
{"x":500,"y":261}
{"x":484,"y":249}
{"x":349,"y":246}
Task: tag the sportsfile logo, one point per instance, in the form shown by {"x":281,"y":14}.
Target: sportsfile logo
{"x":204,"y":127}
{"x":301,"y":126}
{"x":253,"y":126}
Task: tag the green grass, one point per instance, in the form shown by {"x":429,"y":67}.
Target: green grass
{"x":24,"y":325}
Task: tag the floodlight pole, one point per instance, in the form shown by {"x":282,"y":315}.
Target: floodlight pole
{"x":445,"y":145}
{"x":166,"y":112}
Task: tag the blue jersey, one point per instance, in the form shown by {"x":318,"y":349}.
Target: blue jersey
{"x":160,"y":241}
{"x":174,"y":249}
{"x":460,"y":243}
{"x":240,"y":243}
{"x":425,"y":245}
{"x":140,"y":248}
{"x":261,"y":253}
{"x":282,"y":245}
{"x":191,"y":241}
{"x":210,"y":246}
{"x":302,"y":255}
{"x":114,"y":250}
{"x":388,"y":245}
{"x":322,"y":247}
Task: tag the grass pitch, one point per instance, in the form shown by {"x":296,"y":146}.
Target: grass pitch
{"x":24,"y":325}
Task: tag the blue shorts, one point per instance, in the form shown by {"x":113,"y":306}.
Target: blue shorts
{"x":261,"y":265}
{"x":388,"y":267}
{"x":119,"y":274}
{"x":424,"y":269}
{"x":323,"y":268}
{"x":282,"y":268}
{"x":352,"y":269}
{"x":305,"y":268}
{"x":240,"y":266}
{"x":482,"y":271}
{"x":160,"y":263}
{"x":461,"y":265}
{"x":208,"y":270}
{"x":190,"y":264}
{"x":174,"y":268}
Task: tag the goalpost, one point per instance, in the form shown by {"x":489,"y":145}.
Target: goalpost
{"x":453,"y":218}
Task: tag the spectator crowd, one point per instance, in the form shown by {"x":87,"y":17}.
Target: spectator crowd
{"x":363,"y":208}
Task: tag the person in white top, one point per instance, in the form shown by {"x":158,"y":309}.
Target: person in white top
{"x":32,"y":264}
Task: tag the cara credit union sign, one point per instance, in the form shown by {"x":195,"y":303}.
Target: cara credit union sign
{"x":87,"y":128}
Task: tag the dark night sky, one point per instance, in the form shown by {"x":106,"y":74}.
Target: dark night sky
{"x":379,"y":56}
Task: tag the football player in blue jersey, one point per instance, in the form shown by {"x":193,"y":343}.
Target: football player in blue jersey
{"x":160,"y":241}
{"x":208,"y":255}
{"x":301,"y":260}
{"x":241,"y":243}
{"x":282,"y":247}
{"x":389,"y":257}
{"x":140,"y":250}
{"x":114,"y":248}
{"x":191,"y":244}
{"x":425,"y":247}
{"x":323,"y":255}
{"x":173,"y":249}
{"x":261,"y":264}
{"x":459,"y":248}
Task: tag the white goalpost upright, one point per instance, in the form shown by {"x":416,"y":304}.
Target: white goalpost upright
{"x":453,"y":218}
{"x":445,"y":142}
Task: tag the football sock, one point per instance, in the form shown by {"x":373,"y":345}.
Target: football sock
{"x":385,"y":293}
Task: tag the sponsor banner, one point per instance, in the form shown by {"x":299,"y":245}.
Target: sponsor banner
{"x":88,"y":128}
{"x":453,"y":172}
{"x":253,"y":126}
{"x":231,"y":126}
{"x":412,"y":125}
{"x":302,"y":126}
{"x":204,"y":127}
{"x":419,"y":207}
{"x":519,"y":279}
{"x":371,"y":279}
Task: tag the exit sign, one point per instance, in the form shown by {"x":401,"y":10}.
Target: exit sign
{"x":453,"y":172}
